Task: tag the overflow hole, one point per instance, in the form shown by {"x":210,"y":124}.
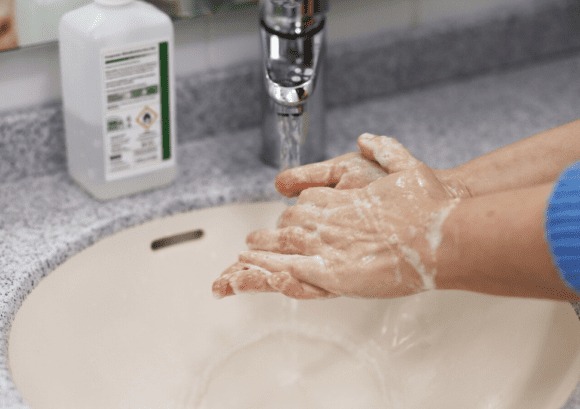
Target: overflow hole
{"x":176,"y":239}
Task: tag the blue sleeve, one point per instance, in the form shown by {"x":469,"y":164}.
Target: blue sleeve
{"x":563,"y":226}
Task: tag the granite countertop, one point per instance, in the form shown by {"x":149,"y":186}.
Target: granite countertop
{"x":46,"y":219}
{"x":446,"y":94}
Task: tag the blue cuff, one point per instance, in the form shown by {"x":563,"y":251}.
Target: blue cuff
{"x":563,"y":226}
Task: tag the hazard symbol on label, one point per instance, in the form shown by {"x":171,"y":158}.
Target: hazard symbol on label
{"x":147,"y":117}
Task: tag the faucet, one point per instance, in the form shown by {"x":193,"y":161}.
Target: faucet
{"x":293,"y":49}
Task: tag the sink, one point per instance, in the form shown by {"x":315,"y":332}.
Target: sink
{"x":131,"y":323}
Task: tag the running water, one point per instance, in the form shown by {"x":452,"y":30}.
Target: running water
{"x":290,"y":307}
{"x":292,"y":133}
{"x":291,"y":128}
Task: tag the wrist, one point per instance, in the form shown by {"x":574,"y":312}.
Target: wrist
{"x":455,"y":182}
{"x":448,"y":255}
{"x":495,"y":244}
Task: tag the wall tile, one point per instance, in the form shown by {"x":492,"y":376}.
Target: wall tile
{"x":233,"y":38}
{"x":430,"y":11}
{"x":191,"y":45}
{"x":362,"y":18}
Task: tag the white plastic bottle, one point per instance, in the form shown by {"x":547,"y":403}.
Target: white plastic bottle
{"x":116,"y":62}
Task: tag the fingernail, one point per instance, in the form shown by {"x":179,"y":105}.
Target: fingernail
{"x":367,"y":136}
{"x":221,"y":289}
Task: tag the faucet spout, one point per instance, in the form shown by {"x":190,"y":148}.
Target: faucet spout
{"x":293,"y":48}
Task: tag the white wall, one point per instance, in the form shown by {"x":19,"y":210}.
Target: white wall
{"x":30,"y":76}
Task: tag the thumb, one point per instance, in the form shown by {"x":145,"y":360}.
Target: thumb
{"x":387,"y":152}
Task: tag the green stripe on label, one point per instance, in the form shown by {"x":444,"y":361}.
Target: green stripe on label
{"x":164,"y":81}
{"x":125,"y":59}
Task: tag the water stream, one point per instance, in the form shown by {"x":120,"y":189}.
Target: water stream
{"x":291,"y":129}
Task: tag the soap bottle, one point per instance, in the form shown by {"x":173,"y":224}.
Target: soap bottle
{"x":116,"y":63}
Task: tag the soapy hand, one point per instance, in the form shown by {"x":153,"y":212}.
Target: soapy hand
{"x":350,"y":171}
{"x":374,"y":235}
{"x":357,"y":170}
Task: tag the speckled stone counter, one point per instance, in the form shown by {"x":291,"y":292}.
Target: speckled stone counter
{"x":447,"y":109}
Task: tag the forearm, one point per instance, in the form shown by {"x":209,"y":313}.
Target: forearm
{"x":532,"y":161}
{"x":495,"y":244}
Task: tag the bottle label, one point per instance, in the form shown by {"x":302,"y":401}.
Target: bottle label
{"x":137,"y":122}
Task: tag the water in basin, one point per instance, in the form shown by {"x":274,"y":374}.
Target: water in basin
{"x":123,"y":326}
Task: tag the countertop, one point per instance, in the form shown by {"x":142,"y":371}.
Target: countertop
{"x":44,"y":220}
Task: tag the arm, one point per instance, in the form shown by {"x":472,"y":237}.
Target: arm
{"x":496,"y":244}
{"x":529,"y":162}
{"x":399,"y":235}
{"x":532,"y":161}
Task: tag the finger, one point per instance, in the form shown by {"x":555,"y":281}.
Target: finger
{"x":305,"y":216}
{"x":241,"y":278}
{"x":322,"y":196}
{"x":317,"y":196}
{"x":309,"y":269}
{"x":221,"y":288}
{"x":287,"y":240}
{"x":323,"y":174}
{"x":297,"y":240}
{"x":361,"y":176}
{"x":388,"y":152}
{"x":293,"y":288}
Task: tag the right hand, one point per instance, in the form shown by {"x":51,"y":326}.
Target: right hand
{"x":356,"y":170}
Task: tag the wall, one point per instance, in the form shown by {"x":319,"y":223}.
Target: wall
{"x":30,"y":76}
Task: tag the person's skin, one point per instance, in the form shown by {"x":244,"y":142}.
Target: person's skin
{"x":535,"y":160}
{"x":382,"y":224}
{"x":496,"y":245}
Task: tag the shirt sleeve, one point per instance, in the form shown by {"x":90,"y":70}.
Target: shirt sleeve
{"x":563,"y":226}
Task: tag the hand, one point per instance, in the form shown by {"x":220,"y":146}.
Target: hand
{"x":379,"y":240}
{"x":356,"y":170}
{"x":350,"y":171}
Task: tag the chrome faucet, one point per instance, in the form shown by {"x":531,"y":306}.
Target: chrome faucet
{"x":293,"y":48}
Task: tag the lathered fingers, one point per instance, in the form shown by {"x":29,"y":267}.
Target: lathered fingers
{"x":287,"y":240}
{"x":388,"y":152}
{"x":294,"y":288}
{"x":308,"y":269}
{"x":350,"y":171}
{"x":241,"y":278}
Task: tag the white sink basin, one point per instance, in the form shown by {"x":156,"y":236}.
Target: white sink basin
{"x":123,"y":326}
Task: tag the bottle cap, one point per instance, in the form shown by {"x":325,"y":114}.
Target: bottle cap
{"x":113,"y":2}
